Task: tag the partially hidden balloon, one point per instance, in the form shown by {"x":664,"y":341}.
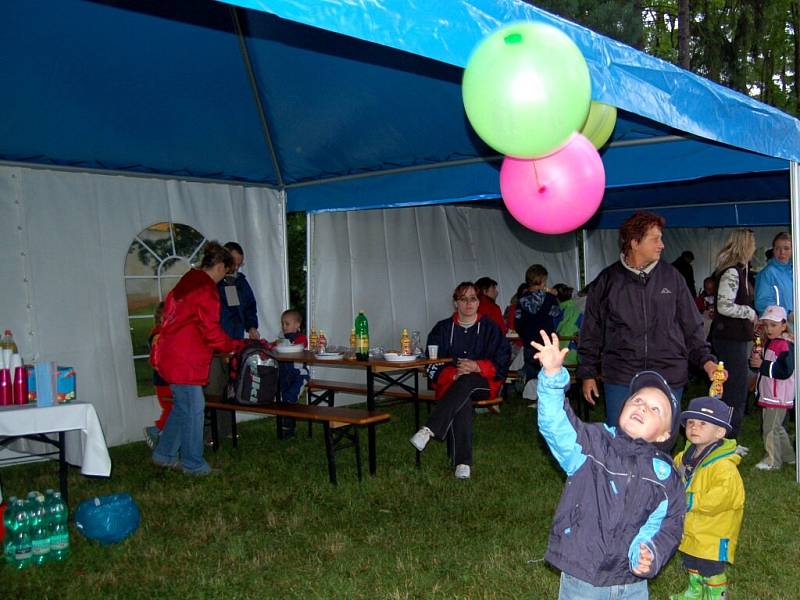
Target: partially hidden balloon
{"x":600,"y":123}
{"x":526,"y":89}
{"x":558,"y":193}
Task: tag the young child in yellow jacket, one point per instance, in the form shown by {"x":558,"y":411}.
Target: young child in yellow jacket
{"x":709,"y":466}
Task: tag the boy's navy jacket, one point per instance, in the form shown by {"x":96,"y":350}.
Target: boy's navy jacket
{"x":620,"y":493}
{"x":634,"y":323}
{"x":236,"y":320}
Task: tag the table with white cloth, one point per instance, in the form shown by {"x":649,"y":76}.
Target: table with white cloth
{"x":72,"y":428}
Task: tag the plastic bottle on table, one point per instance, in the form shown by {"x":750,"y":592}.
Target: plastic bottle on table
{"x":313,"y":340}
{"x":405,"y":343}
{"x":322,"y":342}
{"x":717,"y":380}
{"x":362,"y":336}
{"x":59,"y":532}
{"x":7,"y":342}
{"x":8,"y":522}
{"x":352,"y":341}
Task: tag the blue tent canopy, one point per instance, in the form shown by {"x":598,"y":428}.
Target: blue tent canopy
{"x":357,"y":105}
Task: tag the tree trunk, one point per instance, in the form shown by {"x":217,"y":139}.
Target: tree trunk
{"x":684,"y":33}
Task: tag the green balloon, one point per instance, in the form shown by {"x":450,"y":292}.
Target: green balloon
{"x":600,"y":123}
{"x":526,"y":89}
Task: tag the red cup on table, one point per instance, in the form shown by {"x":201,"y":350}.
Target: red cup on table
{"x":20,"y":385}
{"x":6,"y":393}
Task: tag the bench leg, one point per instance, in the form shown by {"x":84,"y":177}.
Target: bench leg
{"x":62,"y":467}
{"x":357,"y":444}
{"x":234,"y":431}
{"x":373,"y":463}
{"x":214,"y":429}
{"x":329,"y":452}
{"x":416,"y":429}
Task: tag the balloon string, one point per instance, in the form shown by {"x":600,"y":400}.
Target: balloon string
{"x":539,"y":185}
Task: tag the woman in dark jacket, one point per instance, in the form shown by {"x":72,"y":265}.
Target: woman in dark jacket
{"x":189,"y":334}
{"x":480,"y":355}
{"x":734,"y":319}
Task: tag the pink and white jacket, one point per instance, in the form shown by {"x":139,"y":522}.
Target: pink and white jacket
{"x":776,"y":375}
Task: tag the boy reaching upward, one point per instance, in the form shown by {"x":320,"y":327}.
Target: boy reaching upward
{"x":620,"y":517}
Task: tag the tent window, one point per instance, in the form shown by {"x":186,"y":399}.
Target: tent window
{"x":156,"y":260}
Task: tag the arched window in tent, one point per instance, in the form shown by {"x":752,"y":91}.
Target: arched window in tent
{"x":157,"y":258}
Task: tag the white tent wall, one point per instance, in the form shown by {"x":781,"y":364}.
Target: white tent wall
{"x":602,"y":247}
{"x":65,"y":236}
{"x":400,"y":266}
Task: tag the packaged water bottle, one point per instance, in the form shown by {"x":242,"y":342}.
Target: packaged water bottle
{"x":7,"y":342}
{"x":22,"y":551}
{"x":40,"y":530}
{"x":59,"y":532}
{"x":362,"y":336}
{"x":9,"y":547}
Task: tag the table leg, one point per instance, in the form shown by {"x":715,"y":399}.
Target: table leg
{"x":62,"y":467}
{"x":416,"y":414}
{"x":371,"y":428}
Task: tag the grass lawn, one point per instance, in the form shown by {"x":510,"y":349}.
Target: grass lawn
{"x":271,"y":526}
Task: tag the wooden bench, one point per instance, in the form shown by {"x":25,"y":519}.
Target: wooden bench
{"x":337,"y":439}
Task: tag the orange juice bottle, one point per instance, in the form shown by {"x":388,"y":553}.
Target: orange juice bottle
{"x":405,"y":343}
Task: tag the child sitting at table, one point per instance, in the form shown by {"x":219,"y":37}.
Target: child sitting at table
{"x":291,"y":376}
{"x":163,"y":393}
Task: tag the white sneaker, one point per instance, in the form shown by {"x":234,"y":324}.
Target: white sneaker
{"x":765,"y":466}
{"x":420,"y":439}
{"x":462,"y":471}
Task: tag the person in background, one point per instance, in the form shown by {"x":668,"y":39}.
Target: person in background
{"x":639,"y":315}
{"x":735,"y":318}
{"x":709,"y":466}
{"x":480,"y":355}
{"x":620,"y":516}
{"x":775,"y":387}
{"x":774,"y":282}
{"x":163,"y":393}
{"x":684,"y":265}
{"x":190,"y":334}
{"x":707,"y":296}
{"x":517,"y":355}
{"x":291,"y":376}
{"x":238,"y":309}
{"x":537,"y":310}
{"x":570,"y":324}
{"x":487,"y":293}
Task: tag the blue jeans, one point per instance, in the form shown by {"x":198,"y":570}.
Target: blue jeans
{"x":615,"y":396}
{"x":573,"y":588}
{"x":183,"y":433}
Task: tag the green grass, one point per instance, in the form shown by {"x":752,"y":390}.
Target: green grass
{"x":271,"y":526}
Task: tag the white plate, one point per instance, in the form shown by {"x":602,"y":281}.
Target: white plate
{"x":329,"y":356}
{"x":289,"y":348}
{"x":400,"y":358}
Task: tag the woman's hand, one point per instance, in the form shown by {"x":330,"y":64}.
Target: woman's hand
{"x":549,"y":353}
{"x":467,"y":365}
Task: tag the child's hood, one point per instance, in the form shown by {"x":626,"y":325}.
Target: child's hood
{"x":726,"y":451}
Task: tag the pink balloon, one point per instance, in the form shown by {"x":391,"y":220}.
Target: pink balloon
{"x":557,"y":193}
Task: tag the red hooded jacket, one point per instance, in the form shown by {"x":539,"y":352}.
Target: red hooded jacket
{"x":489,"y":307}
{"x":190,"y":332}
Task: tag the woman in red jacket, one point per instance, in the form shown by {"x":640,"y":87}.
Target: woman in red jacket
{"x":190,"y":333}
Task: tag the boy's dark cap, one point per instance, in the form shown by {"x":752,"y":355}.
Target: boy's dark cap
{"x":651,"y":379}
{"x":709,"y":409}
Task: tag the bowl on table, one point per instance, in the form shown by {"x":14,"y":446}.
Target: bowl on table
{"x":397,"y":357}
{"x":289,"y":348}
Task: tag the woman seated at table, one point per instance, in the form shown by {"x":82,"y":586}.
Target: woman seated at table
{"x":480,"y":355}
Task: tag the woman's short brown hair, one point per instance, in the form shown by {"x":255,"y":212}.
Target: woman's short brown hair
{"x":213,"y":254}
{"x":636,"y":227}
{"x":462,"y":288}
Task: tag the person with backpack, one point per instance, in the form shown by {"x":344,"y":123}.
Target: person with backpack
{"x":190,"y":334}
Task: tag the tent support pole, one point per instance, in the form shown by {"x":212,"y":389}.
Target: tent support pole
{"x":794,"y":202}
{"x":251,"y":76}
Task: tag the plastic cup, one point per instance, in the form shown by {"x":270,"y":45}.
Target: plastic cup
{"x":6,"y":393}
{"x":433,"y":351}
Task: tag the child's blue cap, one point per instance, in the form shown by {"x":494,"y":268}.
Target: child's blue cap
{"x":709,"y":409}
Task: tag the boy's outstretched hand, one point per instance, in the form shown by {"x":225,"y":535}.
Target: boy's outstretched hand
{"x":645,"y":561}
{"x":549,"y":353}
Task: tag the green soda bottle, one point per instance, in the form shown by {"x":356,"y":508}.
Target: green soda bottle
{"x":362,"y":336}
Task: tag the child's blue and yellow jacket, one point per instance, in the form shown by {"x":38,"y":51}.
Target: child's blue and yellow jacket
{"x":714,"y":505}
{"x":620,"y":493}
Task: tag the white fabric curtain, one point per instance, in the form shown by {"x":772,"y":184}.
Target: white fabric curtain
{"x":602,"y":247}
{"x":64,"y":239}
{"x":401,"y":265}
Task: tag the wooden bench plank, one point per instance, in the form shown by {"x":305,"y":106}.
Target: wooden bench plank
{"x":350,"y":416}
{"x":361,"y":389}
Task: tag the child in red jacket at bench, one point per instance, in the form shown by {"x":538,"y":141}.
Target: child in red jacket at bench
{"x":163,"y":392}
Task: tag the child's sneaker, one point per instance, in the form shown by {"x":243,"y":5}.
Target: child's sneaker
{"x":151,"y":434}
{"x":764,"y":465}
{"x":420,"y":439}
{"x":462,"y":471}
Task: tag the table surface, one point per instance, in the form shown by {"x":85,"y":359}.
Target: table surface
{"x":376,"y":364}
{"x":85,"y":443}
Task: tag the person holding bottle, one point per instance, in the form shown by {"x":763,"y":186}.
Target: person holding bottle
{"x":480,"y":356}
{"x":190,"y":334}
